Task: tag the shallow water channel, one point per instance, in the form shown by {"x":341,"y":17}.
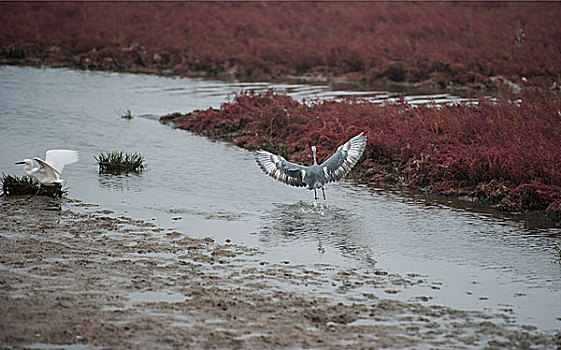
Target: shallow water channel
{"x":469,"y":259}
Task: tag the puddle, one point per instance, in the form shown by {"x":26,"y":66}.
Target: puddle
{"x":154,"y":297}
{"x":44,"y":346}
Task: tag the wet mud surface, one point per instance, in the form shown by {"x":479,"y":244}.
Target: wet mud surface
{"x":89,"y":280}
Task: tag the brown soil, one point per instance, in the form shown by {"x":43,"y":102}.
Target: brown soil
{"x":88,"y":278}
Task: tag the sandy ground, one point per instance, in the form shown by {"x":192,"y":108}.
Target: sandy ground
{"x":79,"y":280}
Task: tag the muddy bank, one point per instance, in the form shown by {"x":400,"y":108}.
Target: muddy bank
{"x":475,"y":47}
{"x":90,"y":279}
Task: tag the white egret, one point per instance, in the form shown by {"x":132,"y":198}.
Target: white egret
{"x":316,"y":175}
{"x":49,"y":170}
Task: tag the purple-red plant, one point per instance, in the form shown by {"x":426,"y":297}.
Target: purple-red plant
{"x":431,"y":44}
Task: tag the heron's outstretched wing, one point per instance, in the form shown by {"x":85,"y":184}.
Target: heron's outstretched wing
{"x":58,"y":158}
{"x":346,"y":156}
{"x":280,"y":169}
{"x":46,"y":174}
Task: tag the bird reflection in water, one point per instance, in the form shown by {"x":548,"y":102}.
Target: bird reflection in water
{"x":327,"y":225}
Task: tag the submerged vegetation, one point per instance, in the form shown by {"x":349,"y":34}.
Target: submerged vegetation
{"x":119,"y":162}
{"x":451,"y":45}
{"x":505,"y":152}
{"x":13,"y":185}
{"x":124,"y":113}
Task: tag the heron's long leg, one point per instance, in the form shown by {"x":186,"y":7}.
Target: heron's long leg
{"x":324,"y":197}
{"x":315,"y":194}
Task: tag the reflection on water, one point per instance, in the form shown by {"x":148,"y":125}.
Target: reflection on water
{"x":301,"y":220}
{"x":123,"y":182}
{"x":316,"y":222}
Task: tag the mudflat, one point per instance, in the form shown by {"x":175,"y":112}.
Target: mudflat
{"x":75,"y":279}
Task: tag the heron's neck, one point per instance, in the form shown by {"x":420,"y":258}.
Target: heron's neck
{"x":314,"y":152}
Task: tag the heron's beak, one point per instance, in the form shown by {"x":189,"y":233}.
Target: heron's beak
{"x":20,"y":162}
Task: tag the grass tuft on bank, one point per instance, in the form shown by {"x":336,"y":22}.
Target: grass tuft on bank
{"x":13,"y":185}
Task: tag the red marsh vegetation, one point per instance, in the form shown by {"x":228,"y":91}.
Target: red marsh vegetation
{"x":446,"y":45}
{"x":506,"y":152}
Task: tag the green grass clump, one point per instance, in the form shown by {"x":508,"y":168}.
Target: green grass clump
{"x":127,"y":114}
{"x":124,"y":113}
{"x":119,"y":162}
{"x":25,"y":185}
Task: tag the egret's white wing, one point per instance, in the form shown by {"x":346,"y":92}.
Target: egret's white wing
{"x":46,"y":174}
{"x":280,"y":169}
{"x":58,"y":158}
{"x":346,"y":156}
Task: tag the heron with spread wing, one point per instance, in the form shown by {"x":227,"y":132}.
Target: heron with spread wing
{"x":50,"y":169}
{"x":316,"y":175}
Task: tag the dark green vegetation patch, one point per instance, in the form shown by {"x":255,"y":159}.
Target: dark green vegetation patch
{"x":13,"y":185}
{"x":119,"y":162}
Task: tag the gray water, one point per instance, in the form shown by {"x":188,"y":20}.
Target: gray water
{"x":470,"y":260}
